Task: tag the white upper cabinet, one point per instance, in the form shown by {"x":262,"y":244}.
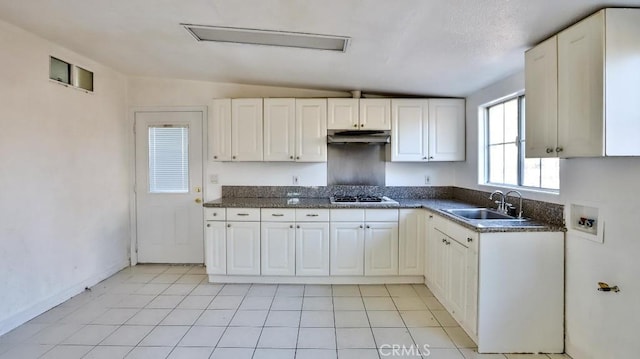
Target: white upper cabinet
{"x":446,"y":130}
{"x":427,"y":130}
{"x":219,"y":130}
{"x":343,"y":113}
{"x":598,"y":84}
{"x":410,"y":130}
{"x":279,"y":129}
{"x":375,"y":114}
{"x":246,"y":129}
{"x":541,"y":89}
{"x":311,"y":130}
{"x":580,"y":88}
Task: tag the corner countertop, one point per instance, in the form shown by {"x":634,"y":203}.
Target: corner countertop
{"x":433,"y":205}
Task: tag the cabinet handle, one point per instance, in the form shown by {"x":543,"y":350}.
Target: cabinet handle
{"x":228,"y":225}
{"x":312,"y":215}
{"x":448,"y":242}
{"x":559,"y":149}
{"x":277,"y":214}
{"x":469,"y":239}
{"x":431,"y":216}
{"x":208,"y":224}
{"x":444,"y":240}
{"x":243,"y":214}
{"x":549,"y":150}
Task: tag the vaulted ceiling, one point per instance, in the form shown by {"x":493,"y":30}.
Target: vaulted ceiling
{"x":419,"y":47}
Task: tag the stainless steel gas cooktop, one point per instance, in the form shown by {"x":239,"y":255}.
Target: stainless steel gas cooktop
{"x":363,"y":200}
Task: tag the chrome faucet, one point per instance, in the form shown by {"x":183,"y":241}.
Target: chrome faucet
{"x":510,"y":205}
{"x":501,"y":204}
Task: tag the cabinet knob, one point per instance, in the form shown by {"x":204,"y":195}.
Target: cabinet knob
{"x":469,"y":239}
{"x":549,"y":150}
{"x":559,"y":149}
{"x":291,"y":157}
{"x":424,"y":158}
{"x":291,"y":226}
{"x":208,"y":224}
{"x":355,"y":125}
{"x":362,"y":125}
{"x":444,"y":240}
{"x":430,"y":157}
{"x":361,"y":226}
{"x":233,"y":157}
{"x":431,"y":216}
{"x":448,"y":242}
{"x":368,"y":227}
{"x":228,"y":225}
{"x":215,"y":214}
{"x":297,"y":157}
{"x":215,"y":157}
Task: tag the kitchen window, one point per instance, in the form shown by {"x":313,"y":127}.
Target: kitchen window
{"x":505,"y":160}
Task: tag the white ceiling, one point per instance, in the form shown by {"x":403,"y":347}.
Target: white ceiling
{"x":420,"y":47}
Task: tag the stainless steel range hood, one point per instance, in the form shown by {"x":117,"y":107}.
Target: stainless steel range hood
{"x":363,"y":136}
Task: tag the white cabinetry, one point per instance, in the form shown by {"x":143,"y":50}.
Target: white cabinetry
{"x":243,"y":241}
{"x":411,"y":242}
{"x":279,"y":129}
{"x":381,"y":248}
{"x":312,"y":249}
{"x":427,"y":130}
{"x":246,"y":129}
{"x":215,"y":246}
{"x":343,"y":113}
{"x":277,"y":240}
{"x":219,"y":130}
{"x":359,"y":114}
{"x":375,"y":114}
{"x":597,"y":89}
{"x":311,"y":130}
{"x":479,"y":276}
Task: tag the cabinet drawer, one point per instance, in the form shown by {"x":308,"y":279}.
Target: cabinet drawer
{"x":440,"y":223}
{"x":347,"y":215}
{"x":312,"y":215}
{"x":278,"y":215}
{"x":243,"y":214}
{"x":215,"y":214}
{"x":381,"y":215}
{"x":464,"y":236}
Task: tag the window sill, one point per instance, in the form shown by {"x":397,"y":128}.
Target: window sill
{"x":523,"y":190}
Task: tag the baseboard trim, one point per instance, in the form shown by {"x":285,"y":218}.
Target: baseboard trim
{"x":317,"y":280}
{"x":42,"y":306}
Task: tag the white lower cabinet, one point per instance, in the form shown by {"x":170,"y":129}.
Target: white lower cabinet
{"x":215,"y":247}
{"x":278,"y":253}
{"x":411,"y":242}
{"x":381,"y":248}
{"x":243,"y":248}
{"x":347,"y":248}
{"x":312,"y":249}
{"x":505,"y":289}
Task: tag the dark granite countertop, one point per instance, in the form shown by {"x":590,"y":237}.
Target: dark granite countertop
{"x":433,"y":205}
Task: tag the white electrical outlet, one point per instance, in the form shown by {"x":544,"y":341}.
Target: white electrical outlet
{"x":213,"y":179}
{"x":427,"y":179}
{"x":296,"y":180}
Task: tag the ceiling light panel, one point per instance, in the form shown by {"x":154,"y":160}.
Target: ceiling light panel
{"x":268,"y":37}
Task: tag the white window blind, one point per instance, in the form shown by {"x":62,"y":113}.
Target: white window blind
{"x":169,"y":159}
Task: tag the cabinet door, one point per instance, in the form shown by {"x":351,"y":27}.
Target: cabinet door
{"x":580,"y":88}
{"x":347,"y":248}
{"x":438,"y":258}
{"x":411,"y":239}
{"x":375,"y":114}
{"x":219,"y":130}
{"x":343,"y":113}
{"x":410,"y":130}
{"x":312,"y":249}
{"x":246,"y":129}
{"x":243,"y":248}
{"x":279,"y":129}
{"x":541,"y":90}
{"x":381,"y":248}
{"x":215,"y":247}
{"x":471,"y":310}
{"x":456,"y":287}
{"x":277,"y":246}
{"x":446,"y":130}
{"x":311,"y":130}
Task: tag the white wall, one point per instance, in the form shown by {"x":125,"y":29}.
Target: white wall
{"x":598,"y":325}
{"x":64,"y":206}
{"x":144,"y":92}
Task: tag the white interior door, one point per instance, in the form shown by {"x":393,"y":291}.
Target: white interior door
{"x":169,"y":186}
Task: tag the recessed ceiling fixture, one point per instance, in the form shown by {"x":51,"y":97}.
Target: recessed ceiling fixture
{"x":268,"y":37}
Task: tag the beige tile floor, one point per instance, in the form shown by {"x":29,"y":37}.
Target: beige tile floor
{"x":160,"y":311}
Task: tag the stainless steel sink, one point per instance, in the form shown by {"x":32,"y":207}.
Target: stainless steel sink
{"x":479,"y":214}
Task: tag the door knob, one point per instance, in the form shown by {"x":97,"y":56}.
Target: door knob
{"x":198,"y":200}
